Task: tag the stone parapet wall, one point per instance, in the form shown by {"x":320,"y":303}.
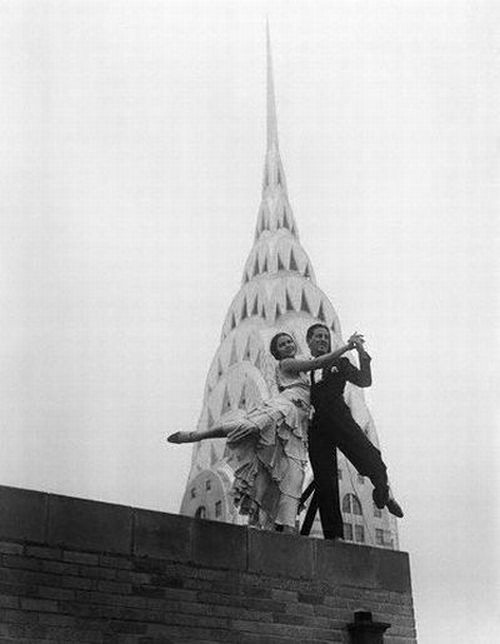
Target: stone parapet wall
{"x":73,"y":570}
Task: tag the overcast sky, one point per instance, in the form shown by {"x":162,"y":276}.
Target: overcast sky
{"x":132,"y":147}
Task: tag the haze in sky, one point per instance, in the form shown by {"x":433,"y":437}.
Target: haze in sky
{"x":133,"y":140}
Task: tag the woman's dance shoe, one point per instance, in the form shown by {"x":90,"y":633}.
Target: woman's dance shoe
{"x":180,"y":437}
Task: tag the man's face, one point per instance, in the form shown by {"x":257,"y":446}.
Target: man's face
{"x":319,"y":342}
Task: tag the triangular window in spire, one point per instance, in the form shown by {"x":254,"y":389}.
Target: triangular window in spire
{"x":307,"y":272}
{"x":244,"y":310}
{"x":226,"y":402}
{"x":233,"y":320}
{"x":278,"y":176}
{"x":284,"y":219}
{"x":258,"y":362}
{"x":321,"y":313}
{"x":304,"y":305}
{"x":293,"y":264}
{"x":289,"y":303}
{"x":234,"y":355}
{"x":242,"y":403}
{"x":278,"y":312}
{"x":255,"y":308}
{"x":220,"y":370}
{"x":281,"y":266}
{"x":333,"y":327}
{"x":264,"y":218}
{"x":264,"y":267}
{"x":247,"y":354}
{"x":213,"y":455}
{"x":256,"y":267}
{"x":258,"y":227}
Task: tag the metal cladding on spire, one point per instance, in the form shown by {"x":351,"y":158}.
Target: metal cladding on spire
{"x":272,"y":121}
{"x":275,"y":212}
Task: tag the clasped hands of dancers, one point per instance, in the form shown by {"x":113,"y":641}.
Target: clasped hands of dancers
{"x":268,"y":445}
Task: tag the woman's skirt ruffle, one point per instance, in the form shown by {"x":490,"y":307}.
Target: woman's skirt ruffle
{"x":267,"y":449}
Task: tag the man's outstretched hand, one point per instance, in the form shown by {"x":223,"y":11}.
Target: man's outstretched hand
{"x":356,"y":340}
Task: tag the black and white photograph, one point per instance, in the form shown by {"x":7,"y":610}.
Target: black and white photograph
{"x":249,"y":321}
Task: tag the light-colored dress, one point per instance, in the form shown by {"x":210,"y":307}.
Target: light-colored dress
{"x":267,"y":449}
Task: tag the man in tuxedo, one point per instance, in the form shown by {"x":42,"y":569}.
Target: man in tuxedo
{"x":333,"y":427}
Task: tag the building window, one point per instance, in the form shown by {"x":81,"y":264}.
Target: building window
{"x":218,"y":509}
{"x":379,"y":537}
{"x":351,"y":505}
{"x":361,"y":479}
{"x":347,"y":532}
{"x":201,"y":512}
{"x":377,"y":512}
{"x":359,"y":533}
{"x":208,"y":485}
{"x":193,"y":492}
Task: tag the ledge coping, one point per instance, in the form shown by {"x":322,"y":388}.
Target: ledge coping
{"x":96,"y":526}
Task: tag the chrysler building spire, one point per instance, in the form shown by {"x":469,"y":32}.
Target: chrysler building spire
{"x":272,"y":122}
{"x":275,"y":212}
{"x":278,"y":292}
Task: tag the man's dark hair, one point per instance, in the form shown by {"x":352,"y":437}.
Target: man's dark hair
{"x":313,"y":328}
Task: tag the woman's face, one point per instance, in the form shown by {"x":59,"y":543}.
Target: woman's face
{"x":285,"y":347}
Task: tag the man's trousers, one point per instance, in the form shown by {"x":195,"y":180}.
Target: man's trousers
{"x":325,"y":436}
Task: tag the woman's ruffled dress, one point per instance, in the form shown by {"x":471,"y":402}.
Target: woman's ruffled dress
{"x":267,"y":449}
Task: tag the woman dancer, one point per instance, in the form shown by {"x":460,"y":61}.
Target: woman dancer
{"x":267,"y":446}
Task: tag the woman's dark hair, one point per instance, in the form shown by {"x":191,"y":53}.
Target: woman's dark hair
{"x":273,"y":347}
{"x":313,"y":328}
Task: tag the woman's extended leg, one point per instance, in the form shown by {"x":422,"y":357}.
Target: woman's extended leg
{"x":194,"y":437}
{"x":237,"y":425}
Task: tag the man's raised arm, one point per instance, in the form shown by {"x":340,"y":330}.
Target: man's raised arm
{"x":361,"y":377}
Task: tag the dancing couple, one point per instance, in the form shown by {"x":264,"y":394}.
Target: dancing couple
{"x":267,"y":447}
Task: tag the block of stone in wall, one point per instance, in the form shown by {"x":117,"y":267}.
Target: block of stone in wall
{"x":22,"y":514}
{"x":163,"y":536}
{"x":89,"y":525}
{"x":280,"y":554}
{"x":393,"y":571}
{"x":219,"y":545}
{"x":363,"y":566}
